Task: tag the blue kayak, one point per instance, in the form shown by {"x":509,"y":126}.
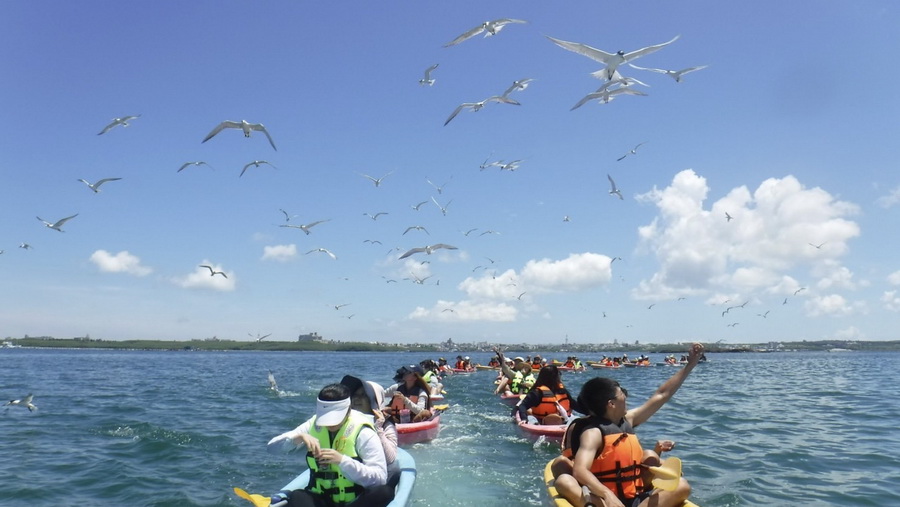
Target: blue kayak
{"x":404,"y":487}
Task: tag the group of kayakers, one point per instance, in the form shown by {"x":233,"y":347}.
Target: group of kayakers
{"x":351,"y":441}
{"x":602,"y":461}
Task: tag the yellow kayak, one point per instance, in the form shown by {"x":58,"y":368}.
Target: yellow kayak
{"x":558,"y":500}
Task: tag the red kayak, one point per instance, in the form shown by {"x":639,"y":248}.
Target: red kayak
{"x":551,"y":432}
{"x":413,"y":433}
{"x":512,"y":399}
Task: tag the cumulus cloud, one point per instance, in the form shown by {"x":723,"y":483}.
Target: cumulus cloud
{"x":772,"y":233}
{"x":833,"y":304}
{"x":850,"y":333}
{"x":201,"y":279}
{"x":279,"y":253}
{"x":447,"y":311}
{"x":891,"y":300}
{"x":122,"y":262}
{"x":894,"y":278}
{"x":890,"y":200}
{"x":575,"y":273}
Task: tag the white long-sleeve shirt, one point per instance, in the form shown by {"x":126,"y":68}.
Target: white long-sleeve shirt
{"x":414,"y":408}
{"x":372,"y":471}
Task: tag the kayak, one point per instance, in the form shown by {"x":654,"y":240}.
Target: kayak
{"x":569,"y":368}
{"x":415,"y":432}
{"x":599,"y":366}
{"x":550,"y":432}
{"x":511,"y":399}
{"x":401,"y":493}
{"x":463,"y":370}
{"x":635,"y":365}
{"x":485,"y":367}
{"x":557,"y":500}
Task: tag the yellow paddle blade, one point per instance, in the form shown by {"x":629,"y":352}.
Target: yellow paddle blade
{"x":441,"y":407}
{"x":257,"y":500}
{"x":667,"y":474}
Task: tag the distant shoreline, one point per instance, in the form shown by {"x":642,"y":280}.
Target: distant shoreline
{"x":337,"y":346}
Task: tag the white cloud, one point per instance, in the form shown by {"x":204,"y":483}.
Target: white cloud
{"x":201,"y":279}
{"x":891,"y":300}
{"x":889,"y":200}
{"x":575,"y":273}
{"x":280,"y":253}
{"x":833,"y":304}
{"x":850,"y":333}
{"x":894,"y":278}
{"x":122,"y":262}
{"x":446,"y":311}
{"x":770,"y":234}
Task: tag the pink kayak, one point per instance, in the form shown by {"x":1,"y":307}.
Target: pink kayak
{"x":413,"y":433}
{"x":551,"y":432}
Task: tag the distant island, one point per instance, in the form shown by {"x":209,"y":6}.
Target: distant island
{"x":314,"y":342}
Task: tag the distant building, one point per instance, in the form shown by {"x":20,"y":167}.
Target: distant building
{"x":311,"y":337}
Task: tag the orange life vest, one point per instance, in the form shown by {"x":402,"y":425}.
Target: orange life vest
{"x":549,"y":399}
{"x":618,"y":464}
{"x":460,"y":365}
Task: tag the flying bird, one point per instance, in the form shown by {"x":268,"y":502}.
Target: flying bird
{"x":798,"y":290}
{"x":199,"y":162}
{"x":490,"y":27}
{"x":517,"y":85}
{"x":287,"y":217}
{"x":59,"y":223}
{"x":728,"y":218}
{"x":510,"y":166}
{"x":245,"y":126}
{"x":323,"y":250}
{"x":427,"y":249}
{"x":305,"y":227}
{"x":96,"y":186}
{"x":605,"y":95}
{"x":428,"y":80}
{"x":255,"y":163}
{"x":416,"y":227}
{"x":116,"y":122}
{"x":213,"y":272}
{"x":376,"y":181}
{"x":338,"y":307}
{"x":674,"y":74}
{"x":612,"y":60}
{"x":477,"y":106}
{"x":633,"y":151}
{"x":442,"y":208}
{"x":24,"y":402}
{"x":613,"y":189}
{"x":376,"y":215}
{"x":260,"y":338}
{"x":763,"y":315}
{"x":272,"y":385}
{"x":417,"y":206}
{"x":440,"y":189}
{"x":817,"y":247}
{"x":26,"y":246}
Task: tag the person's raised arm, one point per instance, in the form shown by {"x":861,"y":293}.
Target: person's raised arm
{"x":507,"y":371}
{"x":664,"y":393}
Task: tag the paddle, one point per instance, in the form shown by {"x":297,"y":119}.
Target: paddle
{"x":667,"y":474}
{"x":257,"y":500}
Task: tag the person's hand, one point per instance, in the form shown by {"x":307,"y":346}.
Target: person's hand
{"x":695,"y":353}
{"x":312,"y":444}
{"x":664,"y":446}
{"x":328,"y":457}
{"x":379,"y":416}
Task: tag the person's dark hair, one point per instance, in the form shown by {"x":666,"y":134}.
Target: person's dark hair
{"x":549,"y":377}
{"x":334,"y":392}
{"x":595,"y":394}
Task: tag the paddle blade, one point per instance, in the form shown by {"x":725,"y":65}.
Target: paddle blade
{"x":667,"y":474}
{"x":257,"y":500}
{"x":441,"y":407}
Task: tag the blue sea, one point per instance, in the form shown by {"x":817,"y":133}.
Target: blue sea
{"x":180,"y":428}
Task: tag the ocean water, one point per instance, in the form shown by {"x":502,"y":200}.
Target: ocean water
{"x":142,"y":428}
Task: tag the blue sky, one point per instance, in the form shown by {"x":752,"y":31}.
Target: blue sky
{"x":790,"y":130}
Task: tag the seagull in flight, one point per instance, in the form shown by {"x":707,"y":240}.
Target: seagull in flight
{"x":511,"y":166}
{"x":245,"y":126}
{"x":612,"y":60}
{"x":798,"y":290}
{"x":287,"y":217}
{"x":428,"y":80}
{"x":305,"y":227}
{"x":199,"y":162}
{"x":376,"y":215}
{"x":272,"y":385}
{"x":213,"y":272}
{"x":260,"y":338}
{"x":490,"y":27}
{"x":427,"y":249}
{"x":417,"y":206}
{"x":416,"y":227}
{"x":58,"y":224}
{"x":440,"y":189}
{"x":632,"y":152}
{"x":819,"y":246}
{"x":605,"y":95}
{"x":674,"y":74}
{"x":96,"y":186}
{"x":116,"y":122}
{"x":763,"y":315}
{"x":24,"y":402}
{"x":255,"y":163}
{"x":26,"y":246}
{"x":613,"y":189}
{"x":376,"y":181}
{"x":338,"y":307}
{"x":323,"y":250}
{"x":517,"y":85}
{"x":442,"y":208}
{"x":728,"y":218}
{"x":476,"y":106}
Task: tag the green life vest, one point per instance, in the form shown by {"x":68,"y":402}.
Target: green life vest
{"x":521,"y":384}
{"x":328,"y":480}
